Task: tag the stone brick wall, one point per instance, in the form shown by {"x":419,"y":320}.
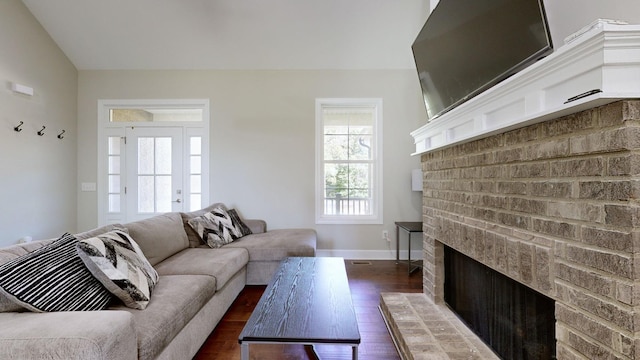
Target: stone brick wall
{"x":554,"y":206}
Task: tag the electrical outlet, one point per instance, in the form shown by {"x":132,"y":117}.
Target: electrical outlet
{"x":385,"y":235}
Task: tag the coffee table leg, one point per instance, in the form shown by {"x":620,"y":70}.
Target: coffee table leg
{"x":354,"y":354}
{"x":244,"y":351}
{"x":397,"y":244}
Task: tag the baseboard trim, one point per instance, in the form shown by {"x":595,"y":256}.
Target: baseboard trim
{"x":368,"y":254}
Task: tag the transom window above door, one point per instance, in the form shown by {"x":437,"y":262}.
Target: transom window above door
{"x":148,"y":115}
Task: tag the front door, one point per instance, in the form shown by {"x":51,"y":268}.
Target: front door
{"x":153,"y":158}
{"x":154,"y":164}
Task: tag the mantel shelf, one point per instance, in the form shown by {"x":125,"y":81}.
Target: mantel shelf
{"x":605,"y":59}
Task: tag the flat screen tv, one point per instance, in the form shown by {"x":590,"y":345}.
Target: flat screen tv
{"x":468,"y":46}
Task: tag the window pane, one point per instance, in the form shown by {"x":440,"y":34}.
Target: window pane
{"x":195,"y":145}
{"x":360,"y":130}
{"x":359,"y":180}
{"x":164,"y":196}
{"x":114,"y":164}
{"x":195,"y":165}
{"x":145,"y":155}
{"x":196,"y":183}
{"x":154,"y":115}
{"x":114,"y":145}
{"x":336,"y":147}
{"x":114,"y":184}
{"x":360,"y":147}
{"x":146,"y":194}
{"x":336,"y":129}
{"x":163,"y":155}
{"x":114,"y":203}
{"x":196,"y":202}
{"x":336,"y":180}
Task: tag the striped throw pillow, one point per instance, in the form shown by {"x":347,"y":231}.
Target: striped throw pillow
{"x":116,"y":260}
{"x":53,"y":278}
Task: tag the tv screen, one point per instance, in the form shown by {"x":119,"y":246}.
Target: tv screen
{"x":467,"y":46}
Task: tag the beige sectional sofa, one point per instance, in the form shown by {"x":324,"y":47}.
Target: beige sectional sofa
{"x":196,"y":286}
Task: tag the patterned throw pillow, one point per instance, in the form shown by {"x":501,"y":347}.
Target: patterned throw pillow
{"x":238,"y":223}
{"x":117,"y":262}
{"x":215,"y":228}
{"x":53,"y":278}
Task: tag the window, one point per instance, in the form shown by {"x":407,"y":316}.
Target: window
{"x":113,"y":172}
{"x":195,"y":172}
{"x":348,"y":161}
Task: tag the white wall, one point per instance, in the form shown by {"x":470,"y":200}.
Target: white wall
{"x":568,"y":16}
{"x":263,"y":141}
{"x":37,"y":174}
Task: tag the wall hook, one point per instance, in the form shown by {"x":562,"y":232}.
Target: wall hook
{"x":41,"y":132}
{"x":17,"y":128}
{"x":60,"y":135}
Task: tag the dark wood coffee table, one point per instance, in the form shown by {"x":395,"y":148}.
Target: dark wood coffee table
{"x":308,"y":302}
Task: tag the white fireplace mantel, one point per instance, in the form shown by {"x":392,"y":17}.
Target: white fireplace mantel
{"x":604,"y":60}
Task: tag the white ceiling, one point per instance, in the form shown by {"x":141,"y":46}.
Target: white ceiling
{"x":233,"y":34}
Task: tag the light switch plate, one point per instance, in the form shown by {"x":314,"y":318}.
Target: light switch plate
{"x":88,"y":186}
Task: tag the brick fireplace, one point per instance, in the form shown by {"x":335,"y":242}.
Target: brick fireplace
{"x":538,"y":179}
{"x":555,"y":207}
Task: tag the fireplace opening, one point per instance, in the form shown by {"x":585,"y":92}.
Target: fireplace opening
{"x":514,"y":320}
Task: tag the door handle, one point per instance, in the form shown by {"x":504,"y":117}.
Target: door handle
{"x":177,"y":201}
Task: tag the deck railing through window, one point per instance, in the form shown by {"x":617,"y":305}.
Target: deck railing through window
{"x":347,"y":206}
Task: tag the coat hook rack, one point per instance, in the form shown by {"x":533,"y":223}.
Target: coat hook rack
{"x":17,"y":128}
{"x":60,"y":135}
{"x":41,"y":132}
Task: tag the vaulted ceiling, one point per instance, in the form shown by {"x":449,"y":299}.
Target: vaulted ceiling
{"x":233,"y":34}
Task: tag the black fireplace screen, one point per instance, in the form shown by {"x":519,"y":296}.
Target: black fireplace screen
{"x":514,"y":320}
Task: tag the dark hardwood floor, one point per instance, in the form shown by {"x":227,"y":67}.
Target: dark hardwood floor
{"x":367,"y":279}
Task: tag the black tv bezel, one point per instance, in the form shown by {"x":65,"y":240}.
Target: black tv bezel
{"x":533,"y":58}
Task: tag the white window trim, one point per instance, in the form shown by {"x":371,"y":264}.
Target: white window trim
{"x":107,"y":128}
{"x":377,"y":216}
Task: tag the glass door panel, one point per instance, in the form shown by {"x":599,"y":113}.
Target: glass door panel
{"x":156,"y":184}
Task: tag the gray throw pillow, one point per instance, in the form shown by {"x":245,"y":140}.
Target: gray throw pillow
{"x":238,"y":223}
{"x":215,"y":228}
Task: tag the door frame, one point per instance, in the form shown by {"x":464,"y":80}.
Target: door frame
{"x":190,"y":129}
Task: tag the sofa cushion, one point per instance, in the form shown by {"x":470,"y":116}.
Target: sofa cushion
{"x":276,"y":245}
{"x":8,"y":305}
{"x":75,"y":335}
{"x":194,"y":238}
{"x":118,"y":263}
{"x":221,"y":263}
{"x":256,"y":225}
{"x":175,"y":301}
{"x":53,"y":278}
{"x":160,"y":236}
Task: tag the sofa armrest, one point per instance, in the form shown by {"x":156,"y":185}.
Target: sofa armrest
{"x":77,"y":335}
{"x":257,"y":226}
